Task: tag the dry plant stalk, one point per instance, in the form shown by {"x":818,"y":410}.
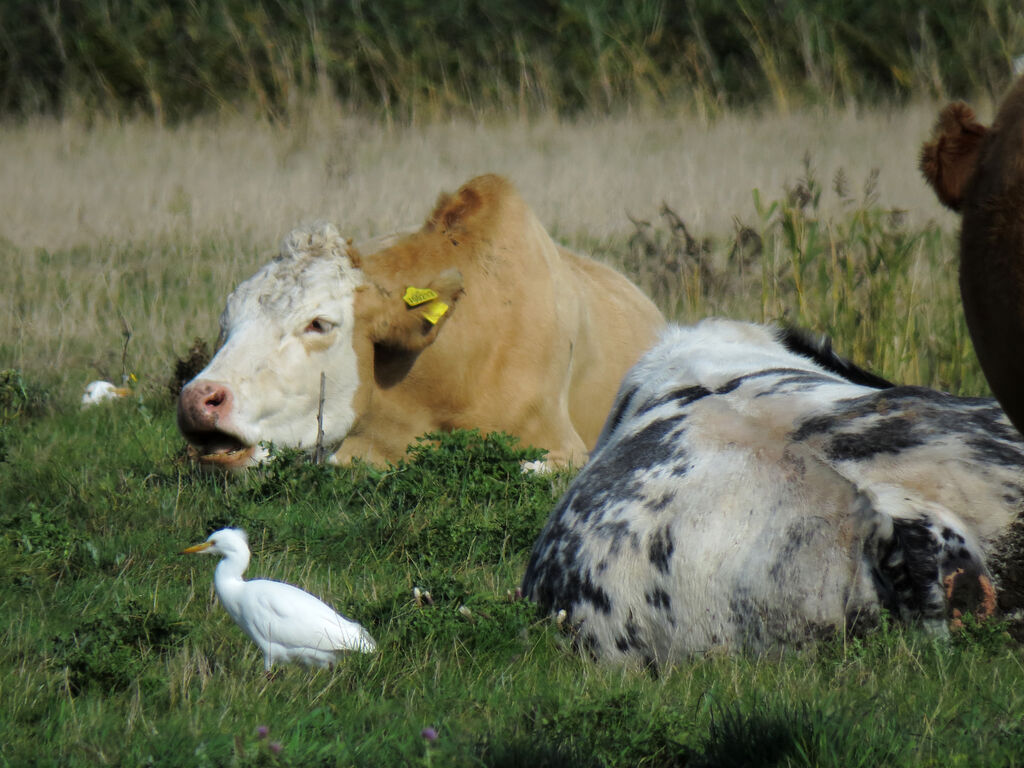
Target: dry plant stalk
{"x":318,"y":451}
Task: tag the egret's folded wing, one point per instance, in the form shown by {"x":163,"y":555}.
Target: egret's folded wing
{"x":289,"y":616}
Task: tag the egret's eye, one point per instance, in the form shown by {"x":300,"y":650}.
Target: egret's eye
{"x":319,"y":325}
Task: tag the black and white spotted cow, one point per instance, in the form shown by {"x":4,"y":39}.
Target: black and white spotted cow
{"x":753,"y":491}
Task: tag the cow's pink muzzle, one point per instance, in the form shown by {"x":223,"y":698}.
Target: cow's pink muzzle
{"x":204,"y":416}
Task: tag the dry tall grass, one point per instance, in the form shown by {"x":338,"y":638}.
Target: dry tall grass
{"x":133,"y":226}
{"x":249,"y":181}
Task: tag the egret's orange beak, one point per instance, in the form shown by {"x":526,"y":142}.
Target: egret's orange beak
{"x":197,"y":548}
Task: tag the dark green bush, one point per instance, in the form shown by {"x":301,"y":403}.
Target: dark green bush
{"x":457,"y":497}
{"x":767,"y":733}
{"x":173,"y":58}
{"x":112,"y":650}
{"x":19,"y":400}
{"x":612,"y":728}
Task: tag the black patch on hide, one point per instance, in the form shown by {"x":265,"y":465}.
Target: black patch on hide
{"x":660,"y":549}
{"x":820,"y":351}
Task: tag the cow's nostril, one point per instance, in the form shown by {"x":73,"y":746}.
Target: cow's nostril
{"x":203,"y":409}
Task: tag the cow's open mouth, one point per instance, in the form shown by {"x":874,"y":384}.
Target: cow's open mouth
{"x":219,"y":449}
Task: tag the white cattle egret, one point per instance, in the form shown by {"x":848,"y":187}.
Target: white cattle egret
{"x":98,"y":391}
{"x":285,"y":622}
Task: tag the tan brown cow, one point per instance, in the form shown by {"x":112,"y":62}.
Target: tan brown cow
{"x":478,"y":320}
{"x":979,"y":171}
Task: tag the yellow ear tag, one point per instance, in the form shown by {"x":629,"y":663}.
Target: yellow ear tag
{"x":416,"y":296}
{"x":435,"y":311}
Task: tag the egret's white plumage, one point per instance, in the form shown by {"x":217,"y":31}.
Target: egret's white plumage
{"x":286,"y":623}
{"x":100,"y":391}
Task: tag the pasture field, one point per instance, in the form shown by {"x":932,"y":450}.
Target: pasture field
{"x":130,"y":227}
{"x":118,"y":245}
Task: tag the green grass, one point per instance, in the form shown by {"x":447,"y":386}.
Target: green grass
{"x":114,"y":650}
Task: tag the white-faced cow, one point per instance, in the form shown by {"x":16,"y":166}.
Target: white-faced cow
{"x":478,"y":320}
{"x":752,"y":491}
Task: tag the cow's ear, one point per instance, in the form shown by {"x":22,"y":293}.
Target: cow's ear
{"x":354,"y":257}
{"x":948,"y":160}
{"x":409,"y":319}
{"x":452,"y":212}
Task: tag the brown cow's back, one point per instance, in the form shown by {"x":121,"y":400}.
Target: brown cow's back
{"x":539,"y":339}
{"x":618,"y":326}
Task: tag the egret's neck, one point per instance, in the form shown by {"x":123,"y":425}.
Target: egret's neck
{"x":227,"y":579}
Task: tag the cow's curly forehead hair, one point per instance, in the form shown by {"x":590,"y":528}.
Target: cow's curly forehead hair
{"x":312,"y":242}
{"x":314,"y":265}
{"x":305,"y":251}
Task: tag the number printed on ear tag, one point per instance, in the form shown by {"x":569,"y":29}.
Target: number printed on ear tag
{"x":416,"y":296}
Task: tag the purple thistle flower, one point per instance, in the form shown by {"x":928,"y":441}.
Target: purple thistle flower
{"x":262,"y":731}
{"x":275,"y":747}
{"x":429,"y":734}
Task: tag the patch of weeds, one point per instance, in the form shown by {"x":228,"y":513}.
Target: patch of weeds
{"x":846,"y":276}
{"x":871,"y":639}
{"x":480,"y":503}
{"x":989,"y":636}
{"x":616,"y":729}
{"x":1010,"y":737}
{"x":457,"y":497}
{"x":111,"y":651}
{"x":464,"y":456}
{"x":481,"y":623}
{"x":529,"y":751}
{"x":887,"y":640}
{"x":19,"y":400}
{"x":767,"y":734}
{"x":288,"y":474}
{"x":463,"y":466}
{"x":186,"y":368}
{"x":38,"y":543}
{"x":33,"y":529}
{"x":667,"y":261}
{"x":483,"y":535}
{"x":47,"y":539}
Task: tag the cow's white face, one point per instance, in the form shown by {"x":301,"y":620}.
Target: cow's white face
{"x":280,"y":329}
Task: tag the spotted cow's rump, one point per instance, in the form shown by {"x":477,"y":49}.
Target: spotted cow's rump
{"x":751,"y":491}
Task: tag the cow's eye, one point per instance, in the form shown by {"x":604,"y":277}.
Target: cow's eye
{"x":319,"y":325}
